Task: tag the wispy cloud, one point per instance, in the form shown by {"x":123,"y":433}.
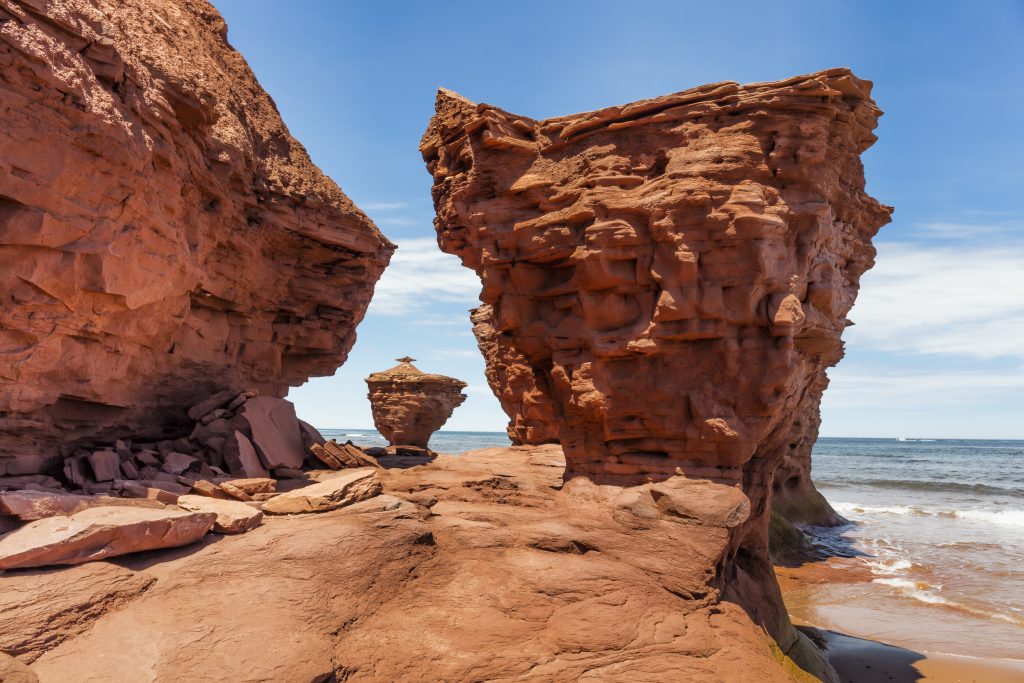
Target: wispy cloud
{"x":853,"y":387}
{"x":384,"y":206}
{"x":964,"y":298}
{"x":420,"y":275}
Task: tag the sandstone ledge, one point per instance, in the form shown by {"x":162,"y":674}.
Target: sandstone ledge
{"x":478,"y":567}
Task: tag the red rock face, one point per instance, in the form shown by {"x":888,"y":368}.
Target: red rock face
{"x":676,"y":272}
{"x":409,"y":405}
{"x":794,"y":496}
{"x":164,"y":236}
{"x":515,"y":384}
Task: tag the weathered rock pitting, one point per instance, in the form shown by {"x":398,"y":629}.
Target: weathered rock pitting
{"x":676,"y":271}
{"x":409,"y":405}
{"x":164,"y":236}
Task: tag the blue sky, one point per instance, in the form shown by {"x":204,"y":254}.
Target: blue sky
{"x":938,"y":346}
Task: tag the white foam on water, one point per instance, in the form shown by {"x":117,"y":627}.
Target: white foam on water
{"x":887,"y":568}
{"x":1013,"y":518}
{"x":856,"y":508}
{"x":926,"y":593}
{"x":918,"y":590}
{"x":1010,"y":518}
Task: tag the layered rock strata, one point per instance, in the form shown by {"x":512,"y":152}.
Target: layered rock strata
{"x":677,"y":271}
{"x":409,"y":405}
{"x":520,"y":390}
{"x":164,"y":236}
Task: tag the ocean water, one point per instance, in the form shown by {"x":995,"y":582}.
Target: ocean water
{"x":938,"y":524}
{"x":453,"y":443}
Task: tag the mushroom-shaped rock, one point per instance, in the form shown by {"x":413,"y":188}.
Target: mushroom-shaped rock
{"x":673,"y":276}
{"x":409,"y":405}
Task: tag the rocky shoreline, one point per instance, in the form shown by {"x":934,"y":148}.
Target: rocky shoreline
{"x":664,"y":284}
{"x":486,"y":555}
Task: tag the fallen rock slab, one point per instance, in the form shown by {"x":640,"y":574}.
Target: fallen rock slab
{"x":33,"y":505}
{"x":351,"y":487}
{"x":233,"y":517}
{"x":98,"y":533}
{"x":253,"y":485}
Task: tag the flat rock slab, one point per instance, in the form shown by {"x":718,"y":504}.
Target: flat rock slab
{"x":254,"y":485}
{"x":233,"y":516}
{"x":13,"y":671}
{"x":41,"y":609}
{"x":351,"y":487}
{"x":32,"y":505}
{"x":98,"y":533}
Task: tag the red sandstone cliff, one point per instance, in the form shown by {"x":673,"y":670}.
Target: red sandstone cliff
{"x":678,"y":272}
{"x":515,"y":384}
{"x":164,"y":236}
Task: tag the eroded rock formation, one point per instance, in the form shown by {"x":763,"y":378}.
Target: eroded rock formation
{"x":409,"y":405}
{"x":164,"y":236}
{"x":517,"y":386}
{"x":677,"y":271}
{"x":794,"y":496}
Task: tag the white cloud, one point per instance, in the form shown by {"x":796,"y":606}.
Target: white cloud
{"x":420,"y":275}
{"x":960,"y":298}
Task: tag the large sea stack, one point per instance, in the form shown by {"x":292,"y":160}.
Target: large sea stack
{"x":164,"y":236}
{"x":409,"y":405}
{"x":677,"y":273}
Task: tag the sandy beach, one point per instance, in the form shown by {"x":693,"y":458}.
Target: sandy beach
{"x":870,"y":660}
{"x":858,"y":660}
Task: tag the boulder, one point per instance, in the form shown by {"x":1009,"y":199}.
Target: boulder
{"x":274,"y":431}
{"x":176,"y":463}
{"x":172,"y":239}
{"x":310,"y":434}
{"x":347,"y":488}
{"x":233,"y":517}
{"x":106,"y":465}
{"x":99,"y":533}
{"x":241,"y":458}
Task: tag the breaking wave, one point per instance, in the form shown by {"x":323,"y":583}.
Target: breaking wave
{"x":1006,"y":518}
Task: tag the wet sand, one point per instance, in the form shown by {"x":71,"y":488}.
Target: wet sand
{"x":864,"y":660}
